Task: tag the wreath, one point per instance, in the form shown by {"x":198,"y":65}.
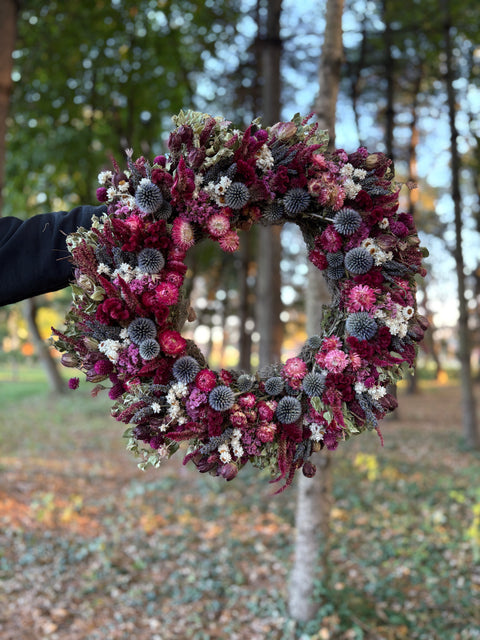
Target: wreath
{"x":123,"y":326}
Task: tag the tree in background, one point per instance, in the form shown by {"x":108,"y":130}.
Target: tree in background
{"x":315,"y":494}
{"x":269,"y":244}
{"x":470,"y":427}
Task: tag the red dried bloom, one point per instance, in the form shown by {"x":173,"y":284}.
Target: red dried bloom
{"x":172,"y":343}
{"x":206,"y":380}
{"x":111,"y":311}
{"x":318,"y":258}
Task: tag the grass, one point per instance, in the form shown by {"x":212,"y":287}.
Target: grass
{"x":93,"y":549}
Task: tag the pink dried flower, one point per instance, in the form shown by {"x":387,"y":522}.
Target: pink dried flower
{"x":266,"y":431}
{"x":218,"y":225}
{"x":205,"y":380}
{"x":226,"y":377}
{"x":330,"y":240}
{"x":229,"y":242}
{"x":361,"y":298}
{"x":171,"y":342}
{"x":355,"y":360}
{"x":266,"y":410}
{"x":333,"y":342}
{"x":166,"y":294}
{"x":295,"y":368}
{"x":238,"y":419}
{"x":336,"y":361}
{"x":247,"y":401}
{"x":182,"y":234}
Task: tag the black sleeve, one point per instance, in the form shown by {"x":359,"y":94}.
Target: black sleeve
{"x":33,"y":254}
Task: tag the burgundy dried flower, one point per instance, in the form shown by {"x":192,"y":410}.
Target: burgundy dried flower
{"x":73,"y":383}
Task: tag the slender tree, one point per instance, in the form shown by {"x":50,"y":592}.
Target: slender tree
{"x":470,"y":428}
{"x":315,"y":495}
{"x":268,"y":259}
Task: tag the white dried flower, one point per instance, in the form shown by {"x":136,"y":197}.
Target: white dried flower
{"x":347,"y":170}
{"x":317,"y":431}
{"x":104,"y":177}
{"x":224,"y":453}
{"x":103,"y":268}
{"x":111,"y":349}
{"x":360,"y":174}
{"x":360,"y":387}
{"x":352,"y":189}
{"x":264,"y":158}
{"x":377,"y":392}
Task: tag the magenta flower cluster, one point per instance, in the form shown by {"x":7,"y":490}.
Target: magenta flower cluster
{"x":124,"y":325}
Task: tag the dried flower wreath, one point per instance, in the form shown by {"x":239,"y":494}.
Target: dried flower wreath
{"x":127,"y":311}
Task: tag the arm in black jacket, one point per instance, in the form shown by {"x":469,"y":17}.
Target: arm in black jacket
{"x":33,"y":255}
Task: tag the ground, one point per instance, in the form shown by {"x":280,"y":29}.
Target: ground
{"x":91,"y":548}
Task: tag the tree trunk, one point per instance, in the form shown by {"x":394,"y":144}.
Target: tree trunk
{"x":390,"y":90}
{"x":8,"y":32}
{"x":268,"y":261}
{"x":412,"y":381}
{"x":470,"y":430}
{"x":355,"y":74}
{"x":244,"y":311}
{"x":56,"y":382}
{"x":315,"y":495}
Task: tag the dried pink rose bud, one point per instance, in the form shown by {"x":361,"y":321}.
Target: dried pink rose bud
{"x":423,"y":322}
{"x":309,"y":469}
{"x":416,"y":332}
{"x":70,"y":360}
{"x":284,"y":130}
{"x":228,"y":470}
{"x":389,"y":402}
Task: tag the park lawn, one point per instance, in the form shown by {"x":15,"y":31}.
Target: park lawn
{"x":93,"y":549}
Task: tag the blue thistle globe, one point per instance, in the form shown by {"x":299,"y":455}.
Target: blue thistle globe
{"x":148,"y":196}
{"x":237,"y":195}
{"x":358,"y":261}
{"x":165,"y":211}
{"x":274,"y":213}
{"x":221,"y":398}
{"x":314,"y":342}
{"x":360,"y":325}
{"x":274,"y":385}
{"x":185,"y":369}
{"x":335,"y":259}
{"x":313,"y":384}
{"x":289,"y":410}
{"x":141,"y":329}
{"x":245,"y":382}
{"x":150,"y":260}
{"x":347,"y":221}
{"x":296,"y":201}
{"x":149,"y":349}
{"x":335,"y":273}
